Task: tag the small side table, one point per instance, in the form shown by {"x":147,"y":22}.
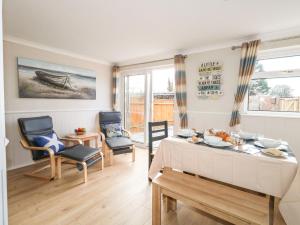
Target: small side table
{"x":86,"y":138}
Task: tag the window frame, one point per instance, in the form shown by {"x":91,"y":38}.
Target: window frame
{"x":269,"y":54}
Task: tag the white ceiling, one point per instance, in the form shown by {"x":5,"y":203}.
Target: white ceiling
{"x":120,"y":30}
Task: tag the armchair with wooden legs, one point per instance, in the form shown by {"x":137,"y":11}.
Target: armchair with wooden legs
{"x":30,"y":128}
{"x":114,"y":145}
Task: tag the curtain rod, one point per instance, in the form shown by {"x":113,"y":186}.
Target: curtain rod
{"x":274,"y":40}
{"x":148,"y":62}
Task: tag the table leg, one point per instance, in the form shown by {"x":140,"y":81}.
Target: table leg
{"x":97,"y":142}
{"x":171,"y":204}
{"x":271,"y":209}
{"x":87,"y":143}
{"x":133,"y":153}
{"x":156,"y":205}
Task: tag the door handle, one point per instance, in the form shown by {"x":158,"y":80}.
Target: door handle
{"x":6,"y":142}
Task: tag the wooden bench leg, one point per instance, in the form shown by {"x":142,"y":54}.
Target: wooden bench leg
{"x":59,"y":167}
{"x":156,"y":205}
{"x":171,"y":204}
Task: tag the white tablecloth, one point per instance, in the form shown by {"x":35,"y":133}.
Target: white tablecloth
{"x":268,"y":175}
{"x":272,"y":176}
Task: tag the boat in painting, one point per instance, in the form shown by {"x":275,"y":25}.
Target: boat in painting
{"x":62,"y":81}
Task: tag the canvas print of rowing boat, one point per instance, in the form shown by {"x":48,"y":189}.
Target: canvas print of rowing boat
{"x":39,"y":79}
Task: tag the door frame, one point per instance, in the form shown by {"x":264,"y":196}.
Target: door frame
{"x":3,"y":177}
{"x":148,"y":98}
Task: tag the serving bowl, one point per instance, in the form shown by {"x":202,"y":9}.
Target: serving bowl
{"x":212,"y":139}
{"x":247,"y":135}
{"x":186,"y":133}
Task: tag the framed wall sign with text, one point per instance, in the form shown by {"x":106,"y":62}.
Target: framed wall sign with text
{"x":210,"y":79}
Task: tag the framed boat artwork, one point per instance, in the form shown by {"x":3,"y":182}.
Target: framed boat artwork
{"x":39,"y":79}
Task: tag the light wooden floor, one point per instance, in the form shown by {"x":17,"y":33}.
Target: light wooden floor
{"x":120,"y":195}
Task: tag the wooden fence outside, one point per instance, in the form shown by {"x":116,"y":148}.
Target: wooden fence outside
{"x":163,"y":109}
{"x":289,"y":104}
{"x":277,"y":104}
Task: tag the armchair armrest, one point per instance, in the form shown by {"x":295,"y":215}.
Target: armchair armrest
{"x":102,"y":136}
{"x":33,"y":148}
{"x":126,"y":133}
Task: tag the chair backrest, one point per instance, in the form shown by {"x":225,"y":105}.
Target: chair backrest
{"x":106,"y":118}
{"x":156,"y":131}
{"x":33,"y":127}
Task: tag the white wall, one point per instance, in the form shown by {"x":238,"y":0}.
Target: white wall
{"x":204,"y":114}
{"x":207,"y":113}
{"x":67,"y":114}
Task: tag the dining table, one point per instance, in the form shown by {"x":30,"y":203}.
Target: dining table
{"x":245,"y":166}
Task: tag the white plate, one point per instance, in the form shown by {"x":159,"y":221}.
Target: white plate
{"x":248,"y":138}
{"x":283,"y":154}
{"x":269,"y":143}
{"x":219,"y":144}
{"x":257,"y":143}
{"x":185,"y":133}
{"x":190,"y":140}
{"x":281,"y":147}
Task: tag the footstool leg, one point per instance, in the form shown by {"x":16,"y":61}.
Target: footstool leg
{"x":84,"y":171}
{"x":101,"y":161}
{"x":59,"y":167}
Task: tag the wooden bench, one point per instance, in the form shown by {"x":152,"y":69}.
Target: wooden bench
{"x":222,"y":201}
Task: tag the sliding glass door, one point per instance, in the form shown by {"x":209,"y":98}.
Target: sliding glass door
{"x":148,"y":96}
{"x":163,"y":96}
{"x":135,"y":99}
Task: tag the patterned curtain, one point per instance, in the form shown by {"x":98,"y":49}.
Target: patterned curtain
{"x":247,"y":65}
{"x":115,"y":77}
{"x":180,"y":84}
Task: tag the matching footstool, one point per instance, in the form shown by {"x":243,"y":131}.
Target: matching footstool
{"x":82,"y":157}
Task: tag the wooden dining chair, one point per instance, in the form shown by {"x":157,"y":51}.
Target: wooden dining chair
{"x":156,"y":131}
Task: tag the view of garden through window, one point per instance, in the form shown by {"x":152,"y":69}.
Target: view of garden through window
{"x":275,"y":85}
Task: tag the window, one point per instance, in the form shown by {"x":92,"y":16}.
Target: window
{"x":275,"y":86}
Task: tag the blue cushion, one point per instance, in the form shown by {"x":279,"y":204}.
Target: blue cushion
{"x":119,"y":142}
{"x":50,"y":141}
{"x":113,"y":130}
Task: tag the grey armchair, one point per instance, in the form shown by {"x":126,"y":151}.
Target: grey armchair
{"x":114,"y":145}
